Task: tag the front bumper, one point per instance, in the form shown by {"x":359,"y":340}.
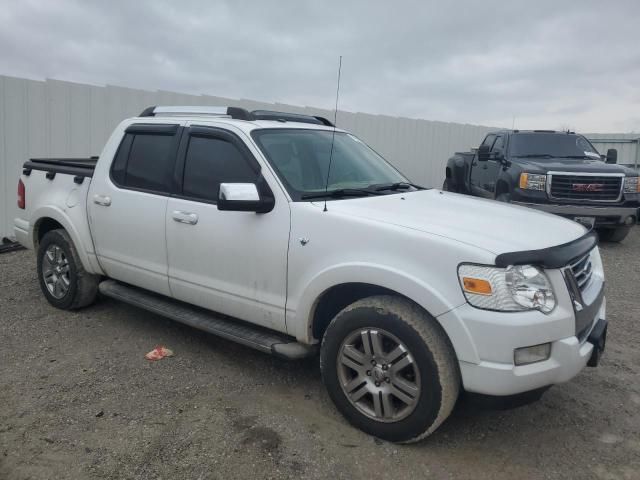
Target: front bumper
{"x":495,"y":335}
{"x":568,"y":358}
{"x":604,"y":215}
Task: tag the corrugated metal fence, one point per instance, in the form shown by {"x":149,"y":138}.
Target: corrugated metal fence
{"x":627,"y":145}
{"x":56,"y":118}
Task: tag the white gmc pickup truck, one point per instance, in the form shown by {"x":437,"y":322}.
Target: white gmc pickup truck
{"x":290,"y":236}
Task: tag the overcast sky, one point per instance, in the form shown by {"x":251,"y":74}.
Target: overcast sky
{"x":548,"y":64}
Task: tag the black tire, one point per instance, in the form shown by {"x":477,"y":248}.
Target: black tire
{"x":82,"y":287}
{"x":427,"y":343}
{"x":504,"y":197}
{"x":448,"y":186}
{"x":614,"y":234}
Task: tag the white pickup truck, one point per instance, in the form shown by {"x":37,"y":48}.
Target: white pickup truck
{"x":290,"y":236}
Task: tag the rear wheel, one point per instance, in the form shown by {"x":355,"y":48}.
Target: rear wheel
{"x":63,"y":280}
{"x":389,"y":368}
{"x":614,"y":234}
{"x":448,"y":186}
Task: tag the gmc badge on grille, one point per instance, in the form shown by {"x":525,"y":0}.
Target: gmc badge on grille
{"x":587,"y":187}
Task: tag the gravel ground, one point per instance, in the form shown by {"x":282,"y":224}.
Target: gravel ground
{"x":78,"y":400}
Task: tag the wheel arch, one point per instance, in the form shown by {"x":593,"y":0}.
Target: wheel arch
{"x":448,"y":173}
{"x":51,"y":218}
{"x":333,"y":290}
{"x":502,"y":186}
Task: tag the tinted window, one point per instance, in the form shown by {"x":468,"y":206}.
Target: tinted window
{"x":499,"y":144}
{"x":150,"y":163}
{"x":210,"y":162}
{"x":552,"y":145}
{"x":119,"y":166}
{"x":489,"y":140}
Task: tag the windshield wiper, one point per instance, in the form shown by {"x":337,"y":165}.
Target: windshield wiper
{"x":574,"y":156}
{"x":397,"y":186}
{"x":341,"y":192}
{"x":535,"y":155}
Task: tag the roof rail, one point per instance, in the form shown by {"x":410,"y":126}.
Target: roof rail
{"x":232,"y":112}
{"x":236,"y":113}
{"x":290,"y":117}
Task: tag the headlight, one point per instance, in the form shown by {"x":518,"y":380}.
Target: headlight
{"x":631,"y":185}
{"x":512,"y":289}
{"x":532,"y":181}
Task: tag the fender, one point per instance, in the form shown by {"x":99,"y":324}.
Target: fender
{"x":85,"y":251}
{"x":422,"y":294}
{"x":458,"y":165}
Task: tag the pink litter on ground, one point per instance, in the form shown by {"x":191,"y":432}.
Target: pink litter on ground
{"x":158,"y":353}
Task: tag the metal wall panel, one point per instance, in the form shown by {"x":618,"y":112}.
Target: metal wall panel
{"x":627,"y":144}
{"x":57,"y":118}
{"x":5,"y":171}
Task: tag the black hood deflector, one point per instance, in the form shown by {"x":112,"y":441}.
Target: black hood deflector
{"x":552,"y":257}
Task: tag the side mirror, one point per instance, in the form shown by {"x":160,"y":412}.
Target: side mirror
{"x":612,"y":155}
{"x":483,"y":153}
{"x":243,"y":197}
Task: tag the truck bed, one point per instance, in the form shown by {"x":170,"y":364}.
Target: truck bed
{"x":80,"y":167}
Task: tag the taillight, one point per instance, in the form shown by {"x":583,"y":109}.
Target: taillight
{"x":21,"y":195}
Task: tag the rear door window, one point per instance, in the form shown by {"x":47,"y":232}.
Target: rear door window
{"x":145,"y":159}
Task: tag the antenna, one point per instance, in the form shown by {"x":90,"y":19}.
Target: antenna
{"x":513,"y":123}
{"x":333,"y":135}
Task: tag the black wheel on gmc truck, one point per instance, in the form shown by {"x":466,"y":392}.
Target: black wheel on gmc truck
{"x":390,"y":368}
{"x":614,"y":234}
{"x":63,"y":279}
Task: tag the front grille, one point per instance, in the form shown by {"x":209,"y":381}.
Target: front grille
{"x":582,"y":271}
{"x":585,"y":187}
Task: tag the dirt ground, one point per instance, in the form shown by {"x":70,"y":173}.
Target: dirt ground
{"x":78,"y":400}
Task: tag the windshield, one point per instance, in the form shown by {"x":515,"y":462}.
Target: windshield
{"x":551,"y":145}
{"x":300,"y":157}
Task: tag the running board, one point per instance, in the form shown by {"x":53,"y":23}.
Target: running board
{"x":238,"y":331}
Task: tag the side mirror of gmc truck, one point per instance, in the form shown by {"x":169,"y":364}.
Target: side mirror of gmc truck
{"x":483,"y":153}
{"x":243,"y":197}
{"x":612,"y":155}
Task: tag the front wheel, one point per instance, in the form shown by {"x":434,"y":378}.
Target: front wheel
{"x":63,"y":279}
{"x":389,"y":368}
{"x":614,"y":234}
{"x":504,"y":197}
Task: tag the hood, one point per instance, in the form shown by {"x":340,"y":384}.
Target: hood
{"x":582,"y":165}
{"x":493,"y":226}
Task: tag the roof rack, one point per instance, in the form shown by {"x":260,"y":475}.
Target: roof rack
{"x":235,"y":113}
{"x":290,"y":117}
{"x":229,"y":112}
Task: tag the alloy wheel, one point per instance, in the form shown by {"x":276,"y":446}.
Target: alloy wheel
{"x":55,"y":271}
{"x":378,"y":374}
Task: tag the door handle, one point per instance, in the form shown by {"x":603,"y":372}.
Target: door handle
{"x":185,"y":217}
{"x":103,"y":200}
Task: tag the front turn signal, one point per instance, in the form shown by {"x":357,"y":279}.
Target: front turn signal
{"x":477,"y":286}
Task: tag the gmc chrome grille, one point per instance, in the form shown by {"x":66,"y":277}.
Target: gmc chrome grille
{"x":567,"y":186}
{"x":582,"y":270}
